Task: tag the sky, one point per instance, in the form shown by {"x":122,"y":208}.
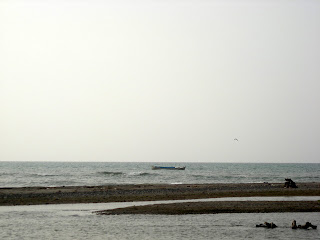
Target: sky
{"x":160,"y":80}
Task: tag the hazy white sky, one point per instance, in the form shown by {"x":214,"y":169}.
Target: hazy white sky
{"x":160,"y":80}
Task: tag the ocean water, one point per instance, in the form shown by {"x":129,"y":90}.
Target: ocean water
{"x":26,"y":174}
{"x":78,"y":221}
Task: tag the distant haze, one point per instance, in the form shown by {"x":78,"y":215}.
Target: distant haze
{"x":160,"y":80}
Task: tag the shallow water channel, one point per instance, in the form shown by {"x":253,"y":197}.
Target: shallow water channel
{"x":78,"y":221}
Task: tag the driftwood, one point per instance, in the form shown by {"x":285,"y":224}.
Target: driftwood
{"x":294,"y":224}
{"x":308,"y":225}
{"x":267,"y":225}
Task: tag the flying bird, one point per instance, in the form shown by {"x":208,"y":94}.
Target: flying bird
{"x":236,"y":139}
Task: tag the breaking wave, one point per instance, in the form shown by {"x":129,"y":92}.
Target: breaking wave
{"x":111,"y":173}
{"x":43,"y":175}
{"x":142,"y":174}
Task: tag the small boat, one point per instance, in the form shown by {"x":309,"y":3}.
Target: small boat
{"x":168,"y":168}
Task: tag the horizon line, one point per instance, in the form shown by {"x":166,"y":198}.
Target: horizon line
{"x":44,"y":161}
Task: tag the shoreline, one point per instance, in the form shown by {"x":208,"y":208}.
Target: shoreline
{"x":148,"y":192}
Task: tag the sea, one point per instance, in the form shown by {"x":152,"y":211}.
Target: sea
{"x":50,"y":174}
{"x":79,"y":221}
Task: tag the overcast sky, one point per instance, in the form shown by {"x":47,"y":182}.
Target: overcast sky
{"x":160,"y":80}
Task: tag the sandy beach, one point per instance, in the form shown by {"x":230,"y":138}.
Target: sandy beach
{"x":219,"y":207}
{"x":145,"y":192}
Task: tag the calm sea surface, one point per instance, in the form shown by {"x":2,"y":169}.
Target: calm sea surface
{"x":78,"y":221}
{"x":23,"y":174}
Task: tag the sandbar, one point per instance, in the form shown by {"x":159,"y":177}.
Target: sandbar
{"x":148,"y":192}
{"x":218,"y":207}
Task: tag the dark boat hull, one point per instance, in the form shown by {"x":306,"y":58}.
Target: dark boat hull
{"x":167,"y":168}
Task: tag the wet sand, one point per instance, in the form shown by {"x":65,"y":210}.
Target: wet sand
{"x":146,"y":192}
{"x":219,"y":207}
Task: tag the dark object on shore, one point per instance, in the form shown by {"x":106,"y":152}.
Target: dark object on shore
{"x":305,"y":226}
{"x":289,"y":183}
{"x":267,"y":225}
{"x":294,"y":224}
